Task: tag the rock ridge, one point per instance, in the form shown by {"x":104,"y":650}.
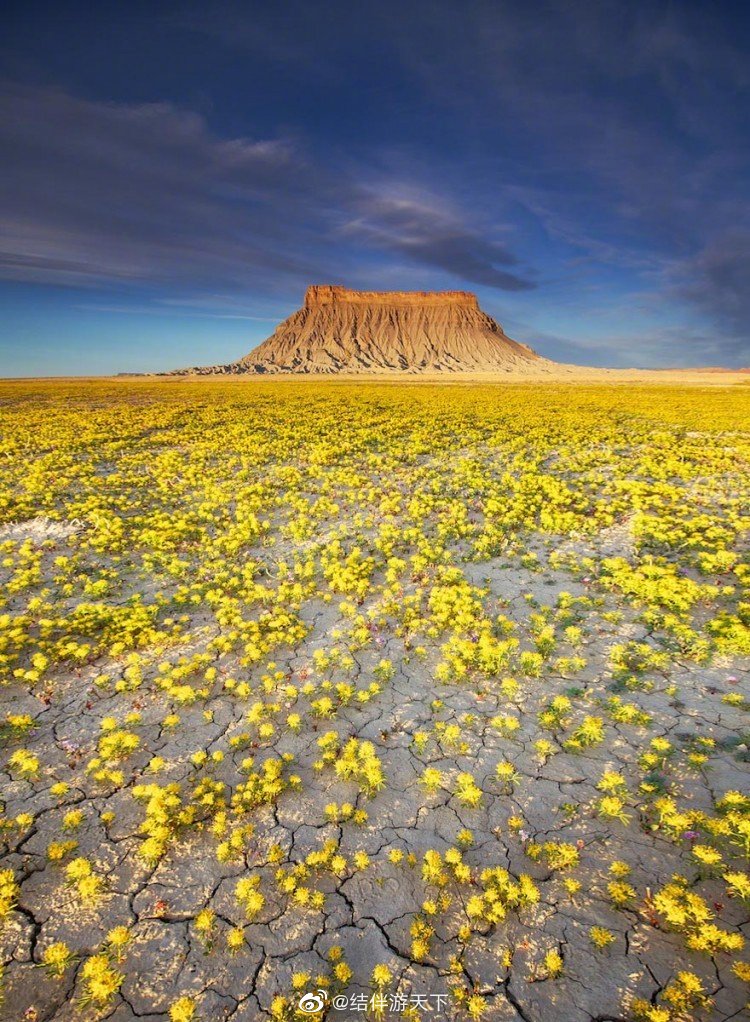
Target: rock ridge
{"x":333,"y":294}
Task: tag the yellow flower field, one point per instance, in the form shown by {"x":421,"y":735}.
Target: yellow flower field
{"x":431,"y":699}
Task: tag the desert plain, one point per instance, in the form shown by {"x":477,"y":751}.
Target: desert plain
{"x":383,"y":699}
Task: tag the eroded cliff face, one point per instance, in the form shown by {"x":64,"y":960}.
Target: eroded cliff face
{"x":343,"y":331}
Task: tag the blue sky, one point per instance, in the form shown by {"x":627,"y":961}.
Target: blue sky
{"x":174,"y":176}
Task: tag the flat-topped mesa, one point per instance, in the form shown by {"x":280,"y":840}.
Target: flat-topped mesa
{"x":339,"y":330}
{"x":332,"y":294}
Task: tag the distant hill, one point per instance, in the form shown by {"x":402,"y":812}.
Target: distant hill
{"x":343,"y":331}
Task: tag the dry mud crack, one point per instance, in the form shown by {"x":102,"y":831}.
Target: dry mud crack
{"x":387,"y":804}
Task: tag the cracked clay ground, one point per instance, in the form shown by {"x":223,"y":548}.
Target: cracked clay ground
{"x":357,"y":711}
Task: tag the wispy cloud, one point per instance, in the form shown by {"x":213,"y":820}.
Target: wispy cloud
{"x":98,"y":192}
{"x":170,"y":313}
{"x":101,"y":192}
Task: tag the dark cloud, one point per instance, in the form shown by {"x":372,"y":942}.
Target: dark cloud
{"x":717,"y":283}
{"x":434,"y":236}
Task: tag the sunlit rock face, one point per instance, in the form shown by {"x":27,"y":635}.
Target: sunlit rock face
{"x":338,"y":330}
